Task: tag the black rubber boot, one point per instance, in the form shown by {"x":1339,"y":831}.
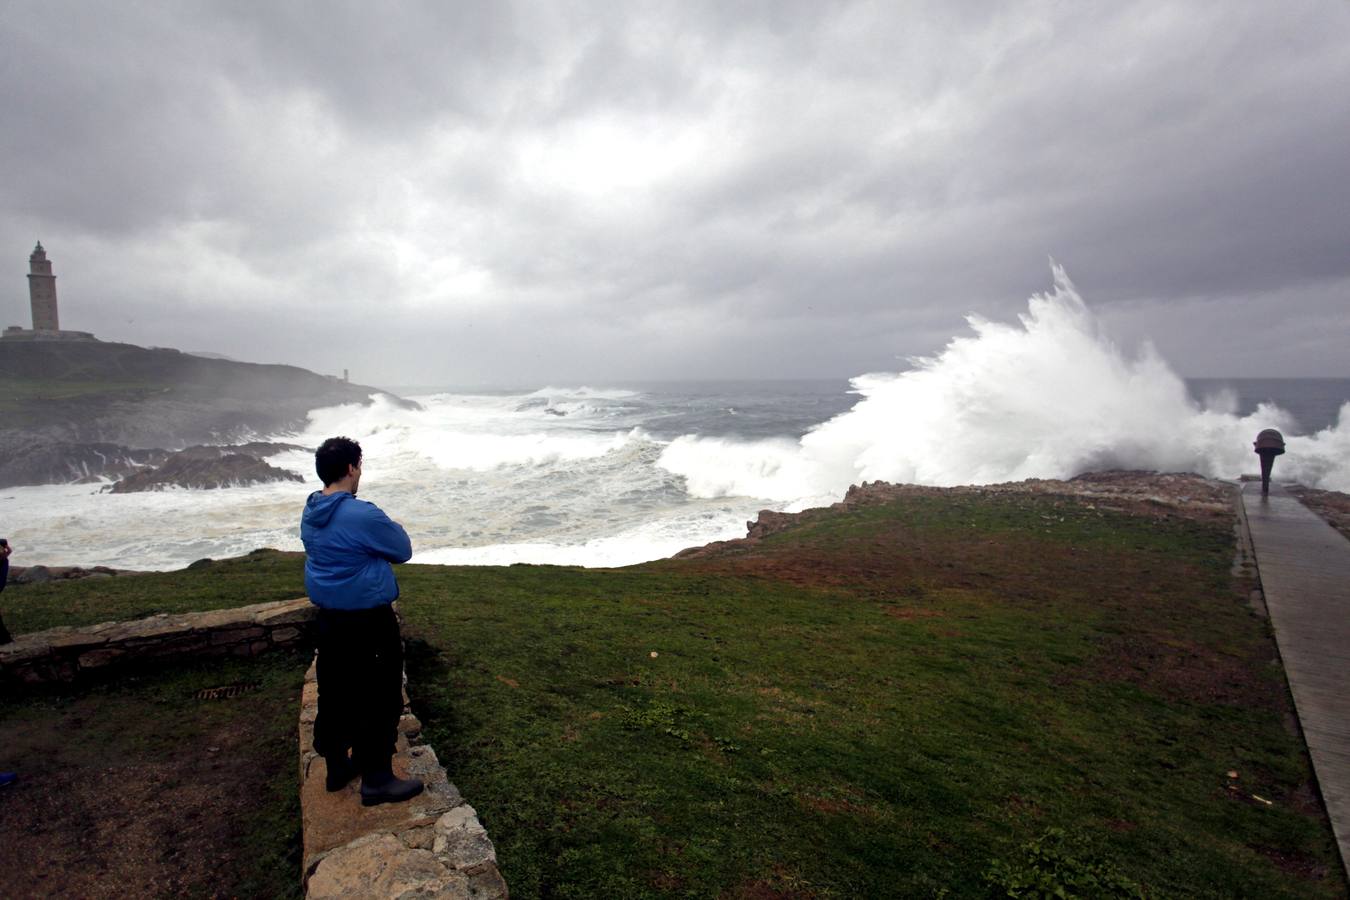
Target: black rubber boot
{"x":340,"y":773}
{"x":385,"y":788}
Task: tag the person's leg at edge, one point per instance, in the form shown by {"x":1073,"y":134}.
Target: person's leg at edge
{"x":334,"y":670}
{"x":5,"y":636}
{"x":380,"y":705}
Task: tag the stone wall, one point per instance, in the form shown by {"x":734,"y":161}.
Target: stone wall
{"x":430,"y":846}
{"x":63,"y":654}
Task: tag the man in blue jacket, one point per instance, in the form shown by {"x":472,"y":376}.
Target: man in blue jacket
{"x":349,"y":545}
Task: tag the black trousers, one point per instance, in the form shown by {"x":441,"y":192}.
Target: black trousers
{"x":5,"y":637}
{"x":360,"y":671}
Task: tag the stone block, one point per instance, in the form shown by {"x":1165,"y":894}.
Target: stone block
{"x":380,"y":866}
{"x":462,"y":841}
{"x":287,"y":612}
{"x":285,"y":635}
{"x":259,"y":647}
{"x":221,"y":618}
{"x":77,"y":639}
{"x":422,"y":763}
{"x":184,"y":646}
{"x":162,"y":625}
{"x":24,"y":649}
{"x":421,"y":838}
{"x":116,"y":632}
{"x":486,"y":883}
{"x":237,"y":635}
{"x":95,"y":659}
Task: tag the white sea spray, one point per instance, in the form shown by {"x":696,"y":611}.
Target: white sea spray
{"x":1047,"y":397}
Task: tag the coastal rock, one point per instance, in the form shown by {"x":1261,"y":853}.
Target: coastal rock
{"x":769,"y":522}
{"x":36,"y":575}
{"x":62,"y":462}
{"x":205,"y":467}
{"x":42,"y":574}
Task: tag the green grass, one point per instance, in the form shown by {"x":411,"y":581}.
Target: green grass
{"x":260,"y":577}
{"x":35,"y":402}
{"x":15,"y":392}
{"x":890,"y":701}
{"x":891,"y":737}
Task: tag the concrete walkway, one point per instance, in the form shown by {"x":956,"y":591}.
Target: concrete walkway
{"x":1305,"y":574}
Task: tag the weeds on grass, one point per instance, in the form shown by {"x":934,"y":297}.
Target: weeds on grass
{"x":661,"y":716}
{"x":1056,"y":866}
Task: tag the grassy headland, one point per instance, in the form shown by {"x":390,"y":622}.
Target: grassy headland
{"x":70,"y":410}
{"x":907,"y":697}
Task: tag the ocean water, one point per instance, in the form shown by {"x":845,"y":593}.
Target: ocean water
{"x":618,"y":474}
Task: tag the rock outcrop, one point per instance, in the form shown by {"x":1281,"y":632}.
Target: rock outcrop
{"x":63,"y":462}
{"x":210,"y":467}
{"x":43,"y":574}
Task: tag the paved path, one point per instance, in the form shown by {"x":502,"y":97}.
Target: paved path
{"x":1305,"y":575}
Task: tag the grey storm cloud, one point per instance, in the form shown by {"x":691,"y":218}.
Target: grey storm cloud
{"x":516,"y":193}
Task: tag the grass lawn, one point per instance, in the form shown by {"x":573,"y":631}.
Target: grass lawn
{"x":15,"y":393}
{"x":880,"y":703}
{"x":928,"y":697}
{"x":26,"y":402}
{"x":134,"y":787}
{"x":259,"y":577}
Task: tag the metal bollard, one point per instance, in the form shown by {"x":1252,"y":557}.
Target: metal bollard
{"x":1269,"y":444}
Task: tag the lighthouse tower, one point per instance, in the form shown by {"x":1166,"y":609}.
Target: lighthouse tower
{"x":42,"y":291}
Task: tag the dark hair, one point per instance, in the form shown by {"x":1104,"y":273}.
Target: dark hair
{"x":334,"y":456}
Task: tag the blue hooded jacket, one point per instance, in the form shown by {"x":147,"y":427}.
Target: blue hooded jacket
{"x":349,"y":545}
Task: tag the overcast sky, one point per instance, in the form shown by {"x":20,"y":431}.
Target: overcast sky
{"x":562,"y":193}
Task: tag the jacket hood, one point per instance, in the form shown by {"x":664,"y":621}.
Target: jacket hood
{"x":319,"y":508}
